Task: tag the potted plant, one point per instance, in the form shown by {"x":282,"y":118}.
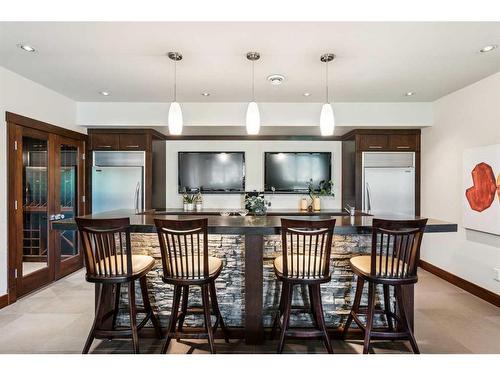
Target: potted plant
{"x":324,"y":189}
{"x":188,"y":201}
{"x":199,"y":201}
{"x":256,"y":204}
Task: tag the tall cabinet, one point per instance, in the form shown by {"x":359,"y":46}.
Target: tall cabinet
{"x":150,"y":141}
{"x":360,"y":141}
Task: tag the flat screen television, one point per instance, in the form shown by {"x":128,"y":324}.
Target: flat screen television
{"x":211,"y":172}
{"x":291,"y":172}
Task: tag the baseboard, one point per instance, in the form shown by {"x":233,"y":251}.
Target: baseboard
{"x":472,"y":288}
{"x":4,"y":300}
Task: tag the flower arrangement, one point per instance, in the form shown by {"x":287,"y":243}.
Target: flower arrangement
{"x":325,"y":188}
{"x":256,"y":204}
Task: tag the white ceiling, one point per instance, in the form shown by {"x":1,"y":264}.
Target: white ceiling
{"x":376,"y":62}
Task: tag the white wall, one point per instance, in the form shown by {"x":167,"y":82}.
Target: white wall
{"x":466,"y":118}
{"x":289,"y":114}
{"x":22,"y":96}
{"x":254,"y":166}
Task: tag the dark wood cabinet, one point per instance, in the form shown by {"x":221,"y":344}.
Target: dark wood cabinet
{"x":104,"y":142}
{"x":358,"y":141}
{"x":150,"y":141}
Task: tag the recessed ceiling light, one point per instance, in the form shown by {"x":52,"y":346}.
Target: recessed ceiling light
{"x":307,"y":94}
{"x":205,"y":93}
{"x":26,"y":47}
{"x":276,"y":79}
{"x":104,"y":93}
{"x":410,"y":93}
{"x":488,"y":48}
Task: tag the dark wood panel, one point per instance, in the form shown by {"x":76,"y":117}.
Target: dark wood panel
{"x":472,"y":288}
{"x":105,"y":142}
{"x":131,"y":142}
{"x":116,"y":130}
{"x":254,"y":263}
{"x":4,"y":300}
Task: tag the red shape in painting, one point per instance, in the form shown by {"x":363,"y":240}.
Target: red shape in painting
{"x":481,"y":195}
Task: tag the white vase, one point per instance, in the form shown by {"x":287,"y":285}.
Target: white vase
{"x":190,"y":206}
{"x":185,"y":206}
{"x":316,"y":204}
{"x":199,"y":206}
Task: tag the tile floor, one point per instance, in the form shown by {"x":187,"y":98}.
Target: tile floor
{"x":57,"y":318}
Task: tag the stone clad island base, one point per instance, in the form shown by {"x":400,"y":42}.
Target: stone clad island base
{"x":337,"y":295}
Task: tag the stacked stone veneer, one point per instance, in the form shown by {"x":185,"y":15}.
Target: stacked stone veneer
{"x":337,"y":295}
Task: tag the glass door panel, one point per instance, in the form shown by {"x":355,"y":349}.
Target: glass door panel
{"x":68,"y":186}
{"x":35,"y":253}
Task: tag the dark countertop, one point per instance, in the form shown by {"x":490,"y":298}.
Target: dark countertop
{"x":263,"y":225}
{"x":234,"y":211}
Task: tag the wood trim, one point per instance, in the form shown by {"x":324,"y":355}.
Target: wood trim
{"x":139,"y":131}
{"x":43,"y":126}
{"x":355,"y":132}
{"x":4,"y":300}
{"x":251,"y":138}
{"x":472,"y":288}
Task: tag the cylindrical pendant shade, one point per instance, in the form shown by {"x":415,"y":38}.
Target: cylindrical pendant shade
{"x":253,"y":119}
{"x":175,"y":119}
{"x":327,"y":120}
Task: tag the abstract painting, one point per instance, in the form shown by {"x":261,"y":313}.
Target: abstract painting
{"x":481,"y":194}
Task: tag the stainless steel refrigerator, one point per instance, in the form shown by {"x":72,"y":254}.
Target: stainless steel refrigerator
{"x":389,"y":182}
{"x":118,"y":180}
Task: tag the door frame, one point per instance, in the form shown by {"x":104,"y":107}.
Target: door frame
{"x":13,"y":121}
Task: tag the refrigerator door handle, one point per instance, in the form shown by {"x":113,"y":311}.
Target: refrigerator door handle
{"x":368,"y":197}
{"x":137,"y":196}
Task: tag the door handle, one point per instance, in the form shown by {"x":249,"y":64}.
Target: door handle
{"x":368,"y":197}
{"x":136,"y":197}
{"x":132,"y":146}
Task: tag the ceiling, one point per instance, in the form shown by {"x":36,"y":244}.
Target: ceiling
{"x":376,"y":62}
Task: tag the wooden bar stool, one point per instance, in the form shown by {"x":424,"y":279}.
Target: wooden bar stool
{"x":184,"y":254}
{"x":393,"y":262}
{"x":306,"y":247}
{"x":110,"y":263}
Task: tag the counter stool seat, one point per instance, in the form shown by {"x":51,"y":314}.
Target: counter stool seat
{"x":190,"y":266}
{"x":304,"y":266}
{"x":140,"y":264}
{"x":361,"y":264}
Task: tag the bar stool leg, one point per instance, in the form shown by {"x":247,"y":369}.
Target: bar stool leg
{"x":387,"y":307}
{"x":173,"y":318}
{"x":90,"y":337}
{"x":147,"y":306}
{"x":355,"y":306}
{"x":313,"y":310}
{"x":404,"y":318}
{"x":369,"y":316}
{"x":215,"y":307}
{"x":117,"y":303}
{"x":133,"y":316}
{"x":184,"y":306}
{"x":287,"y":307}
{"x":208,"y":322}
{"x":278,"y":314}
{"x":320,"y":317}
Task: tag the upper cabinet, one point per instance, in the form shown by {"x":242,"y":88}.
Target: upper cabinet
{"x":107,"y":139}
{"x":388,"y":142}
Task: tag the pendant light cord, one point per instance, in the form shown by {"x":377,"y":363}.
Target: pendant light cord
{"x":326,"y":81}
{"x":175,"y":79}
{"x":253,"y":80}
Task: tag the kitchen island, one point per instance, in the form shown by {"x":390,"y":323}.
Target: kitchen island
{"x":247,"y":289}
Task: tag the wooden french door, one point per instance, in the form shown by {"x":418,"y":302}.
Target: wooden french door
{"x":46,"y":183}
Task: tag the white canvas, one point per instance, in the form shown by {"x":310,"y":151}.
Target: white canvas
{"x":488,"y":220}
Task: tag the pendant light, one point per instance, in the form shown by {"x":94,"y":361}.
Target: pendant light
{"x":175,"y":121}
{"x":253,"y":114}
{"x":327,"y":118}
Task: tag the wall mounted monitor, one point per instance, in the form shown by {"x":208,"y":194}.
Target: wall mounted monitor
{"x":291,"y":172}
{"x":211,"y":172}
